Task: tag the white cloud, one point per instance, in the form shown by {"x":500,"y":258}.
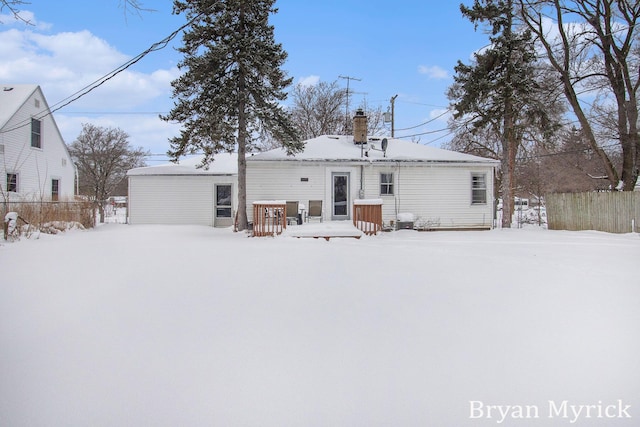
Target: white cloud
{"x":24,"y":18}
{"x":309,"y":80}
{"x":433,"y":72}
{"x":144,"y":130}
{"x":65,"y":64}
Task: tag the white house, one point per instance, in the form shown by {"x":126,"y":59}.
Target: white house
{"x":432,"y":187}
{"x":185,"y":194}
{"x":34,"y":161}
{"x":425,"y":186}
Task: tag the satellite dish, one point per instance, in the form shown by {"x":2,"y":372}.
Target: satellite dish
{"x":385,"y":142}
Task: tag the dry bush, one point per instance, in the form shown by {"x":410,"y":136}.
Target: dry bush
{"x":40,"y":215}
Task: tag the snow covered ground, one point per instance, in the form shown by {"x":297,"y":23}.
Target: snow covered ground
{"x":194,"y":326}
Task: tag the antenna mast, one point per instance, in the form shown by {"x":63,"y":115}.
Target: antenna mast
{"x":346,"y":110}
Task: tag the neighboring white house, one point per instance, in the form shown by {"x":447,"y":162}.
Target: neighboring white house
{"x":34,"y":161}
{"x":184,"y":194}
{"x":439,"y":189}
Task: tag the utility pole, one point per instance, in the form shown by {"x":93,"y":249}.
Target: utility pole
{"x":346,"y":110}
{"x":393,"y":101}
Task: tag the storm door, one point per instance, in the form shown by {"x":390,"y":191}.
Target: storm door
{"x":340,"y":196}
{"x":223,"y":205}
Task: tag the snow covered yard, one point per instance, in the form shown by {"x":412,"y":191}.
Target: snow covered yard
{"x":194,"y":326}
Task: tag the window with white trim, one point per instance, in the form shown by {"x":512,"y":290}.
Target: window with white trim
{"x":55,"y":189}
{"x":478,"y":188}
{"x":12,"y":182}
{"x":386,"y":184}
{"x":36,"y":137}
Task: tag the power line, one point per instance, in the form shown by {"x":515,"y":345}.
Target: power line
{"x":427,"y":122}
{"x":102,"y":80}
{"x":427,"y":133}
{"x":116,"y":112}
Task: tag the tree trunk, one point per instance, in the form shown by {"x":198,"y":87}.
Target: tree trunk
{"x":507,"y":190}
{"x":509,"y":150}
{"x":242,"y":187}
{"x":242,"y":142}
{"x":629,"y":142}
{"x":101,"y":212}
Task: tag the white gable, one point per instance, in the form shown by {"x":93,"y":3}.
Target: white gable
{"x":12,"y":97}
{"x":42,"y":170}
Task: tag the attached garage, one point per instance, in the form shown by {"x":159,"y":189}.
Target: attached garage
{"x":185,"y":194}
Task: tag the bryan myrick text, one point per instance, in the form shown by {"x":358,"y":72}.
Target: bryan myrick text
{"x":565,"y":410}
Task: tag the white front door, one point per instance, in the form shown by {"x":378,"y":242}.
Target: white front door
{"x":340,"y":196}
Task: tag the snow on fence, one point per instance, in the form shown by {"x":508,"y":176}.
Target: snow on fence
{"x":615,"y":212}
{"x":367,"y":215}
{"x":269,"y":217}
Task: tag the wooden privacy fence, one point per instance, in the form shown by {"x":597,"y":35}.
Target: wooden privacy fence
{"x":367,"y":215}
{"x":615,"y":212}
{"x":269,"y":217}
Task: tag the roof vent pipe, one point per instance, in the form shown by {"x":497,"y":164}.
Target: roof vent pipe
{"x":360,"y":127}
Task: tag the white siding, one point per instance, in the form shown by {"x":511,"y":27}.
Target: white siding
{"x":155,"y":199}
{"x":437,"y":194}
{"x":284,"y":181}
{"x":36,"y":167}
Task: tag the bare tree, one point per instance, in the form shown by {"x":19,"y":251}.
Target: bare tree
{"x":317,"y":109}
{"x":566,"y":167}
{"x":596,"y":52}
{"x":103,"y":157}
{"x":129,"y":6}
{"x":375,"y":120}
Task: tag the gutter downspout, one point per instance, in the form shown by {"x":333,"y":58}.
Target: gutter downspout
{"x":361,"y":193}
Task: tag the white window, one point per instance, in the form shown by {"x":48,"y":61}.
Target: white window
{"x":478,"y":188}
{"x":36,"y":139}
{"x":55,"y":189}
{"x":386,"y":184}
{"x":12,"y":182}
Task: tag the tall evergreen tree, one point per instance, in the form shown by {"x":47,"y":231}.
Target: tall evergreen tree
{"x":232,"y":86}
{"x":496,"y":93}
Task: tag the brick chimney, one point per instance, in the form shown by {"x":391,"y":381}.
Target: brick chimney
{"x":360,"y":127}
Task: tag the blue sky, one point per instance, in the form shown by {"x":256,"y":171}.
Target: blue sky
{"x":405,"y":48}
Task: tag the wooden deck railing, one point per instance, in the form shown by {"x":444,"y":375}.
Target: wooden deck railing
{"x":367,"y":215}
{"x":269,"y":217}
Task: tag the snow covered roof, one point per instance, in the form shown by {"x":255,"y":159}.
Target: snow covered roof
{"x":223,"y":164}
{"x":324,"y":148}
{"x":11,"y":99}
{"x":342,"y":148}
